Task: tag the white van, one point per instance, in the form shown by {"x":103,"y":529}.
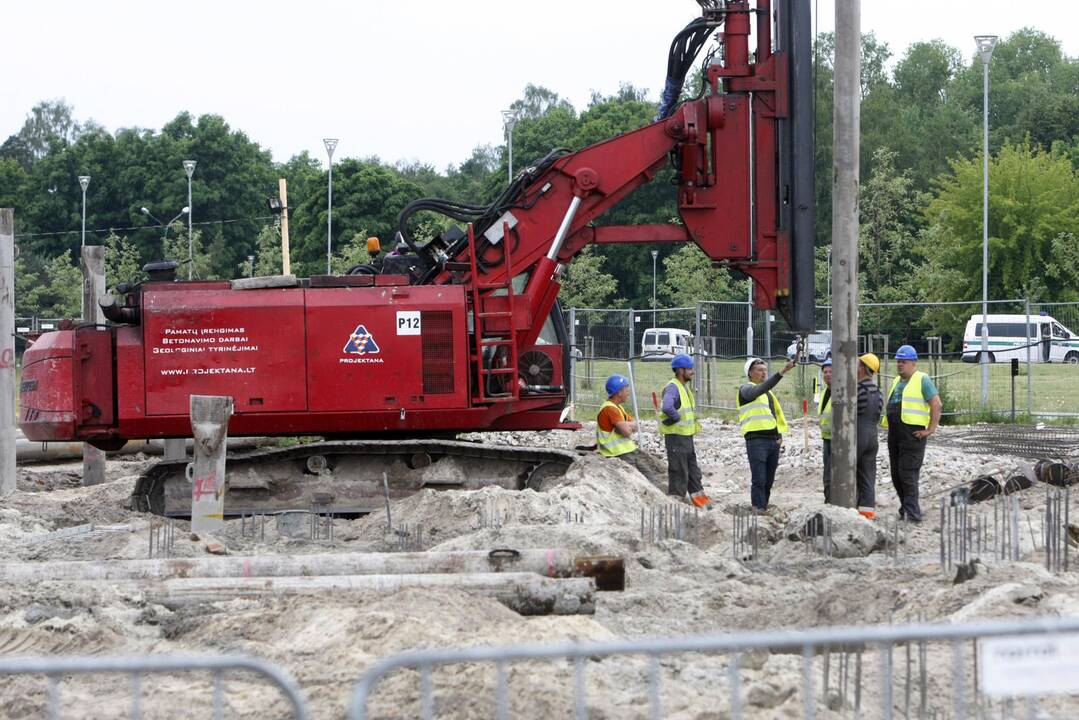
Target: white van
{"x":665,"y":343}
{"x":1049,"y":341}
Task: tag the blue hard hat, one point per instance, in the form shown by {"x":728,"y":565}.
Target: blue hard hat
{"x":906,"y":352}
{"x":616,"y":383}
{"x":681,"y":361}
{"x":827,"y":362}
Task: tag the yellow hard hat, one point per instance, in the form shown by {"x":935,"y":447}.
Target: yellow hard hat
{"x":871,"y":361}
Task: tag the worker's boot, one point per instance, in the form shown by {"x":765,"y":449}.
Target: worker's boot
{"x":868,"y":513}
{"x":699,"y":499}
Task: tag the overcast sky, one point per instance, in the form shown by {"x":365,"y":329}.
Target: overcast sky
{"x":397,"y":79}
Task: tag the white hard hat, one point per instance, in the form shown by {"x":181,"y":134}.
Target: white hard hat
{"x":750,"y":363}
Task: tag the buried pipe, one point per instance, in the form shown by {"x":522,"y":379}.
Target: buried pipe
{"x":524,"y":592}
{"x":607,"y":571}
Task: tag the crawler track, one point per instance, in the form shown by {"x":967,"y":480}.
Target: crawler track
{"x":345,"y":477}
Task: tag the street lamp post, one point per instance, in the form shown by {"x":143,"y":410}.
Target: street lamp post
{"x":509,"y":119}
{"x":330,"y":144}
{"x":165,"y":235}
{"x":828,"y":298}
{"x":189,"y":168}
{"x":986,"y":43}
{"x":655,"y":254}
{"x":84,"y":182}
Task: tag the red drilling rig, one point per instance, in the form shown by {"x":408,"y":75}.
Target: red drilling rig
{"x":459,"y":332}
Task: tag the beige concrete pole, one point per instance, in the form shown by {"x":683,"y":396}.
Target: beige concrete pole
{"x":92,"y":262}
{"x":845,"y":168}
{"x":210,"y":425}
{"x":7,"y":351}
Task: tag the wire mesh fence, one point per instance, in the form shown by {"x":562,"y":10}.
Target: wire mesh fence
{"x":1031,"y":370}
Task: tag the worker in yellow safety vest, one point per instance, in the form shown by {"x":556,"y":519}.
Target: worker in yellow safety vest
{"x":912,"y":415}
{"x":615,"y":428}
{"x":763,"y":426}
{"x":824,"y":412}
{"x":678,"y":424}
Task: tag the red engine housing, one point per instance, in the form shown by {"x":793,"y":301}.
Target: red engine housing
{"x":320,"y":361}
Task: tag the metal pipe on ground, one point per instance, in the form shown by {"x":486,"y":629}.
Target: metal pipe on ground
{"x":35,"y":451}
{"x":607,"y":571}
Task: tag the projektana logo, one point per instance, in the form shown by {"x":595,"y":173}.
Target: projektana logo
{"x":361,"y":342}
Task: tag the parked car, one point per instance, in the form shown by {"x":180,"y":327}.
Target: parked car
{"x":818,"y":346}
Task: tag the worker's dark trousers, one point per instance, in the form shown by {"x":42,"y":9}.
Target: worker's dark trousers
{"x":827,"y":451}
{"x":683,"y":474}
{"x":763,"y":456}
{"x":906,"y":452}
{"x":866,"y":466}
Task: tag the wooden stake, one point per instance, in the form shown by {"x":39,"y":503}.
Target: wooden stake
{"x":286,"y":264}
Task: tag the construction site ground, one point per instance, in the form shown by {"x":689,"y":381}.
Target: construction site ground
{"x":674,"y":588}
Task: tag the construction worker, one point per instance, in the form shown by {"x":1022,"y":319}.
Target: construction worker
{"x":870,"y":404}
{"x":911,"y":416}
{"x":824,"y":412}
{"x":678,"y":424}
{"x":615,"y":428}
{"x":763,"y":425}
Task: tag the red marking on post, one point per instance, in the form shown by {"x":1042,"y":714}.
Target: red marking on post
{"x":805,"y":408}
{"x":7,"y":359}
{"x":205,"y":486}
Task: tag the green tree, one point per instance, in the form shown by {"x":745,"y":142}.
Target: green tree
{"x":51,"y":123}
{"x":203,"y":265}
{"x":587,"y":285}
{"x":688,"y":278}
{"x":352,"y":253}
{"x":887,"y":231}
{"x":27,"y":280}
{"x":367,"y":195}
{"x":57,"y":292}
{"x":1063,"y":267}
{"x":122,"y":263}
{"x":267,"y":252}
{"x":1033,"y":201}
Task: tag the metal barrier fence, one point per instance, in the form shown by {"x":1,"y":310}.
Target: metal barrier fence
{"x":991,"y":664}
{"x":55,"y":669}
{"x":604,"y":340}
